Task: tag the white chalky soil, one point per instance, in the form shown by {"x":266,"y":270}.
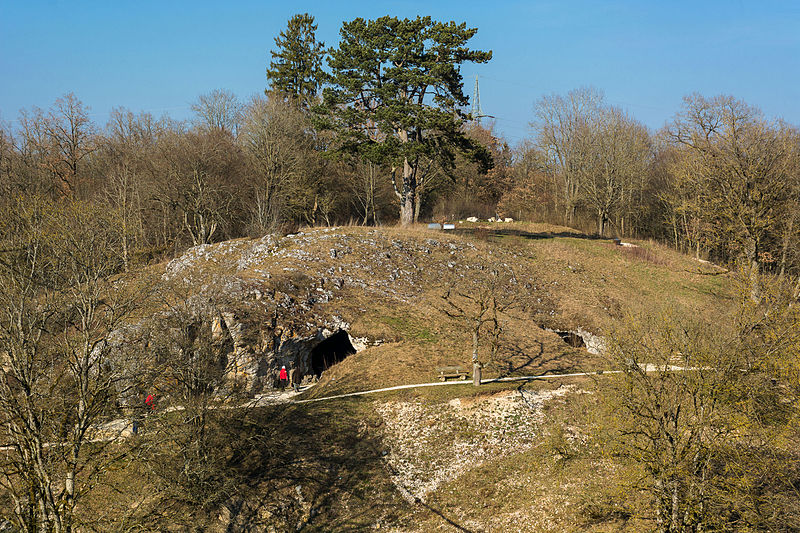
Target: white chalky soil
{"x":432,"y":443}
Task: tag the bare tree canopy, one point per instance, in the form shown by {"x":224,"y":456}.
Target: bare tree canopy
{"x":218,"y":110}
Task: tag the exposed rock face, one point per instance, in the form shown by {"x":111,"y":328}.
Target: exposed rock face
{"x":580,"y":338}
{"x":252,"y":341}
{"x":491,"y":426}
{"x":265,"y":297}
{"x":595,"y":344}
{"x":254,"y":361}
{"x":266,"y":303}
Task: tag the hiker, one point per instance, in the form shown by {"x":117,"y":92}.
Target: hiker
{"x":137,"y":415}
{"x":284,"y":379}
{"x":294,"y":379}
{"x":151,"y":402}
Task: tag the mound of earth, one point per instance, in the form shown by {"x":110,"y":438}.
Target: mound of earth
{"x":407,"y":301}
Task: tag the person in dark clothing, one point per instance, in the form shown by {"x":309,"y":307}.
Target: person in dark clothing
{"x":294,"y":379}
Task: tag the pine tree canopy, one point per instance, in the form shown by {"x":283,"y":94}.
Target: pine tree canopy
{"x":296,"y":66}
{"x":397,"y":82}
{"x":396,"y":93}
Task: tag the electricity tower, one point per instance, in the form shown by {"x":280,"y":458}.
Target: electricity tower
{"x":477,"y":111}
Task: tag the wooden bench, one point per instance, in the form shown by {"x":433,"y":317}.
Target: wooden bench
{"x":457,"y":372}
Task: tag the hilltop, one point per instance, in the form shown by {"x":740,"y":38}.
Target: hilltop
{"x":385,"y":287}
{"x":374,"y":301}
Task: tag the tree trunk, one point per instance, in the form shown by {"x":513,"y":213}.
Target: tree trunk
{"x":785,"y":247}
{"x":407,"y":199}
{"x":124,"y":243}
{"x":675,"y":515}
{"x":686,"y":233}
{"x":795,"y":292}
{"x":751,"y":251}
{"x":475,"y":330}
{"x":601,"y":222}
{"x":755,"y":289}
{"x":675,"y":232}
{"x":407,"y":212}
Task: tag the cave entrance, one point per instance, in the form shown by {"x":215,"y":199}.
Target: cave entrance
{"x":330,"y":351}
{"x":571,"y":338}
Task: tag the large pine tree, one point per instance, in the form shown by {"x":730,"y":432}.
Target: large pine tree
{"x":396,"y":96}
{"x":296,"y":66}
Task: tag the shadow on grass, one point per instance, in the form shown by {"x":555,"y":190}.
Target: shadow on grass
{"x":312,"y":467}
{"x":489,"y":233}
{"x":315,"y":467}
{"x":441,"y":515}
{"x":532,"y":361}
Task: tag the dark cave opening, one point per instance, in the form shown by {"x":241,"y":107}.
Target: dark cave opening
{"x":330,"y":351}
{"x":571,"y":338}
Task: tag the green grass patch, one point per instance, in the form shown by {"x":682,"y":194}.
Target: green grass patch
{"x":410,"y":329}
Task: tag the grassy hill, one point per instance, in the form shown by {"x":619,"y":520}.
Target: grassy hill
{"x":528,"y":456}
{"x":387,"y":286}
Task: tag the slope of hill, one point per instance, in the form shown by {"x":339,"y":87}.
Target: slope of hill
{"x":502,"y":456}
{"x":387,"y":288}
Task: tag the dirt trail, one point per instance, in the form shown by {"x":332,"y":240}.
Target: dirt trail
{"x":122,"y":428}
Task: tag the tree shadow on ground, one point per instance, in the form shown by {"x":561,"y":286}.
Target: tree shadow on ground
{"x":309,"y":467}
{"x":516,"y":359}
{"x":440,"y":514}
{"x":490,"y":233}
{"x":315,"y":467}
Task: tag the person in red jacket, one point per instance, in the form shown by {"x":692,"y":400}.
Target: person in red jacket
{"x":151,"y":402}
{"x":283,"y":377}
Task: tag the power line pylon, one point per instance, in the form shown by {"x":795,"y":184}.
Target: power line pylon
{"x":477,"y":112}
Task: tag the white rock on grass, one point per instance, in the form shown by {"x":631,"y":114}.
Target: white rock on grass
{"x":431,"y":444}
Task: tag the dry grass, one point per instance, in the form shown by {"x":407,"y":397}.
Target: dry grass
{"x":565,"y":481}
{"x":387,"y":283}
{"x":645,"y":254}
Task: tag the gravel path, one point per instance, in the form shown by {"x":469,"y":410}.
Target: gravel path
{"x":123,"y":428}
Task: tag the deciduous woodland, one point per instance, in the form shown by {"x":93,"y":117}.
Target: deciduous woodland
{"x":375,"y":131}
{"x":698,"y":430}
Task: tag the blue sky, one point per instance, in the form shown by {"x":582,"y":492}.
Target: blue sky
{"x":158,"y":56}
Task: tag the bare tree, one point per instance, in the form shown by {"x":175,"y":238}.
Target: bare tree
{"x":203,"y":169}
{"x":706,"y":415}
{"x":191,"y":348}
{"x":275,"y":137}
{"x":669,"y":420}
{"x":744,"y":168}
{"x":618,"y":155}
{"x":218,"y":110}
{"x":58,"y":378}
{"x":138,"y":181}
{"x":564,"y":133}
{"x":7,"y":160}
{"x":368,"y":189}
{"x":480,"y":302}
{"x":70,"y":135}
